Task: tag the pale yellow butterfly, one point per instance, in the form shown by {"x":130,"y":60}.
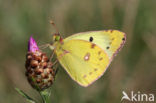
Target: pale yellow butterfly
{"x":85,"y":56}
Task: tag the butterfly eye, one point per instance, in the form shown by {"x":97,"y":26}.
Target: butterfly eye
{"x":107,"y":47}
{"x":57,"y":38}
{"x":91,"y":39}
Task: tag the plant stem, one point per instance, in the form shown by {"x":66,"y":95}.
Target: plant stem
{"x":45,"y":96}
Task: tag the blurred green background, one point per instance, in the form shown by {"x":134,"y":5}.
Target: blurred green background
{"x":134,"y":68}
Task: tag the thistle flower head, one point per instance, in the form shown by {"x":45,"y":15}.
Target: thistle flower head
{"x":32,"y":45}
{"x":39,"y":70}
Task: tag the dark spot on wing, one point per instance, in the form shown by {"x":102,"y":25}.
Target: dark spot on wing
{"x":100,"y":58}
{"x":93,"y":45}
{"x":87,"y":57}
{"x":95,"y":69}
{"x":123,"y":39}
{"x":84,"y":76}
{"x":91,"y":39}
{"x":107,"y":47}
{"x":99,"y":52}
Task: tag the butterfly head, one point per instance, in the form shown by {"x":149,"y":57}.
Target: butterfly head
{"x":57,"y":38}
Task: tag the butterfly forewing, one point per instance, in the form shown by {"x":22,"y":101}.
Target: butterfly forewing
{"x":109,"y":40}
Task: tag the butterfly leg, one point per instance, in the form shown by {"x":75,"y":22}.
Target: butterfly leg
{"x":55,"y":62}
{"x":44,"y":46}
{"x":56,"y":69}
{"x":55,"y":65}
{"x":51,"y":56}
{"x":50,"y":45}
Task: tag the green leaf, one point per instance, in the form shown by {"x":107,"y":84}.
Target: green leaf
{"x":29,"y":99}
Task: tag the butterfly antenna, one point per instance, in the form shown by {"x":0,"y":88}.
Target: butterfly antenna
{"x":52,"y":23}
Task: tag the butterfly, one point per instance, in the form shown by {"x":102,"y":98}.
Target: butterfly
{"x":86,"y":56}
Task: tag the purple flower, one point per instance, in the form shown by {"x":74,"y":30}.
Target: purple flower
{"x":32,"y":45}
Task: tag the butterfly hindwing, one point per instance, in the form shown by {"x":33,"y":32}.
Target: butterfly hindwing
{"x":84,"y":61}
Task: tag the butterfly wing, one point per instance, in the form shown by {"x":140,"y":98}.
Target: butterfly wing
{"x":109,"y":40}
{"x":85,"y":62}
